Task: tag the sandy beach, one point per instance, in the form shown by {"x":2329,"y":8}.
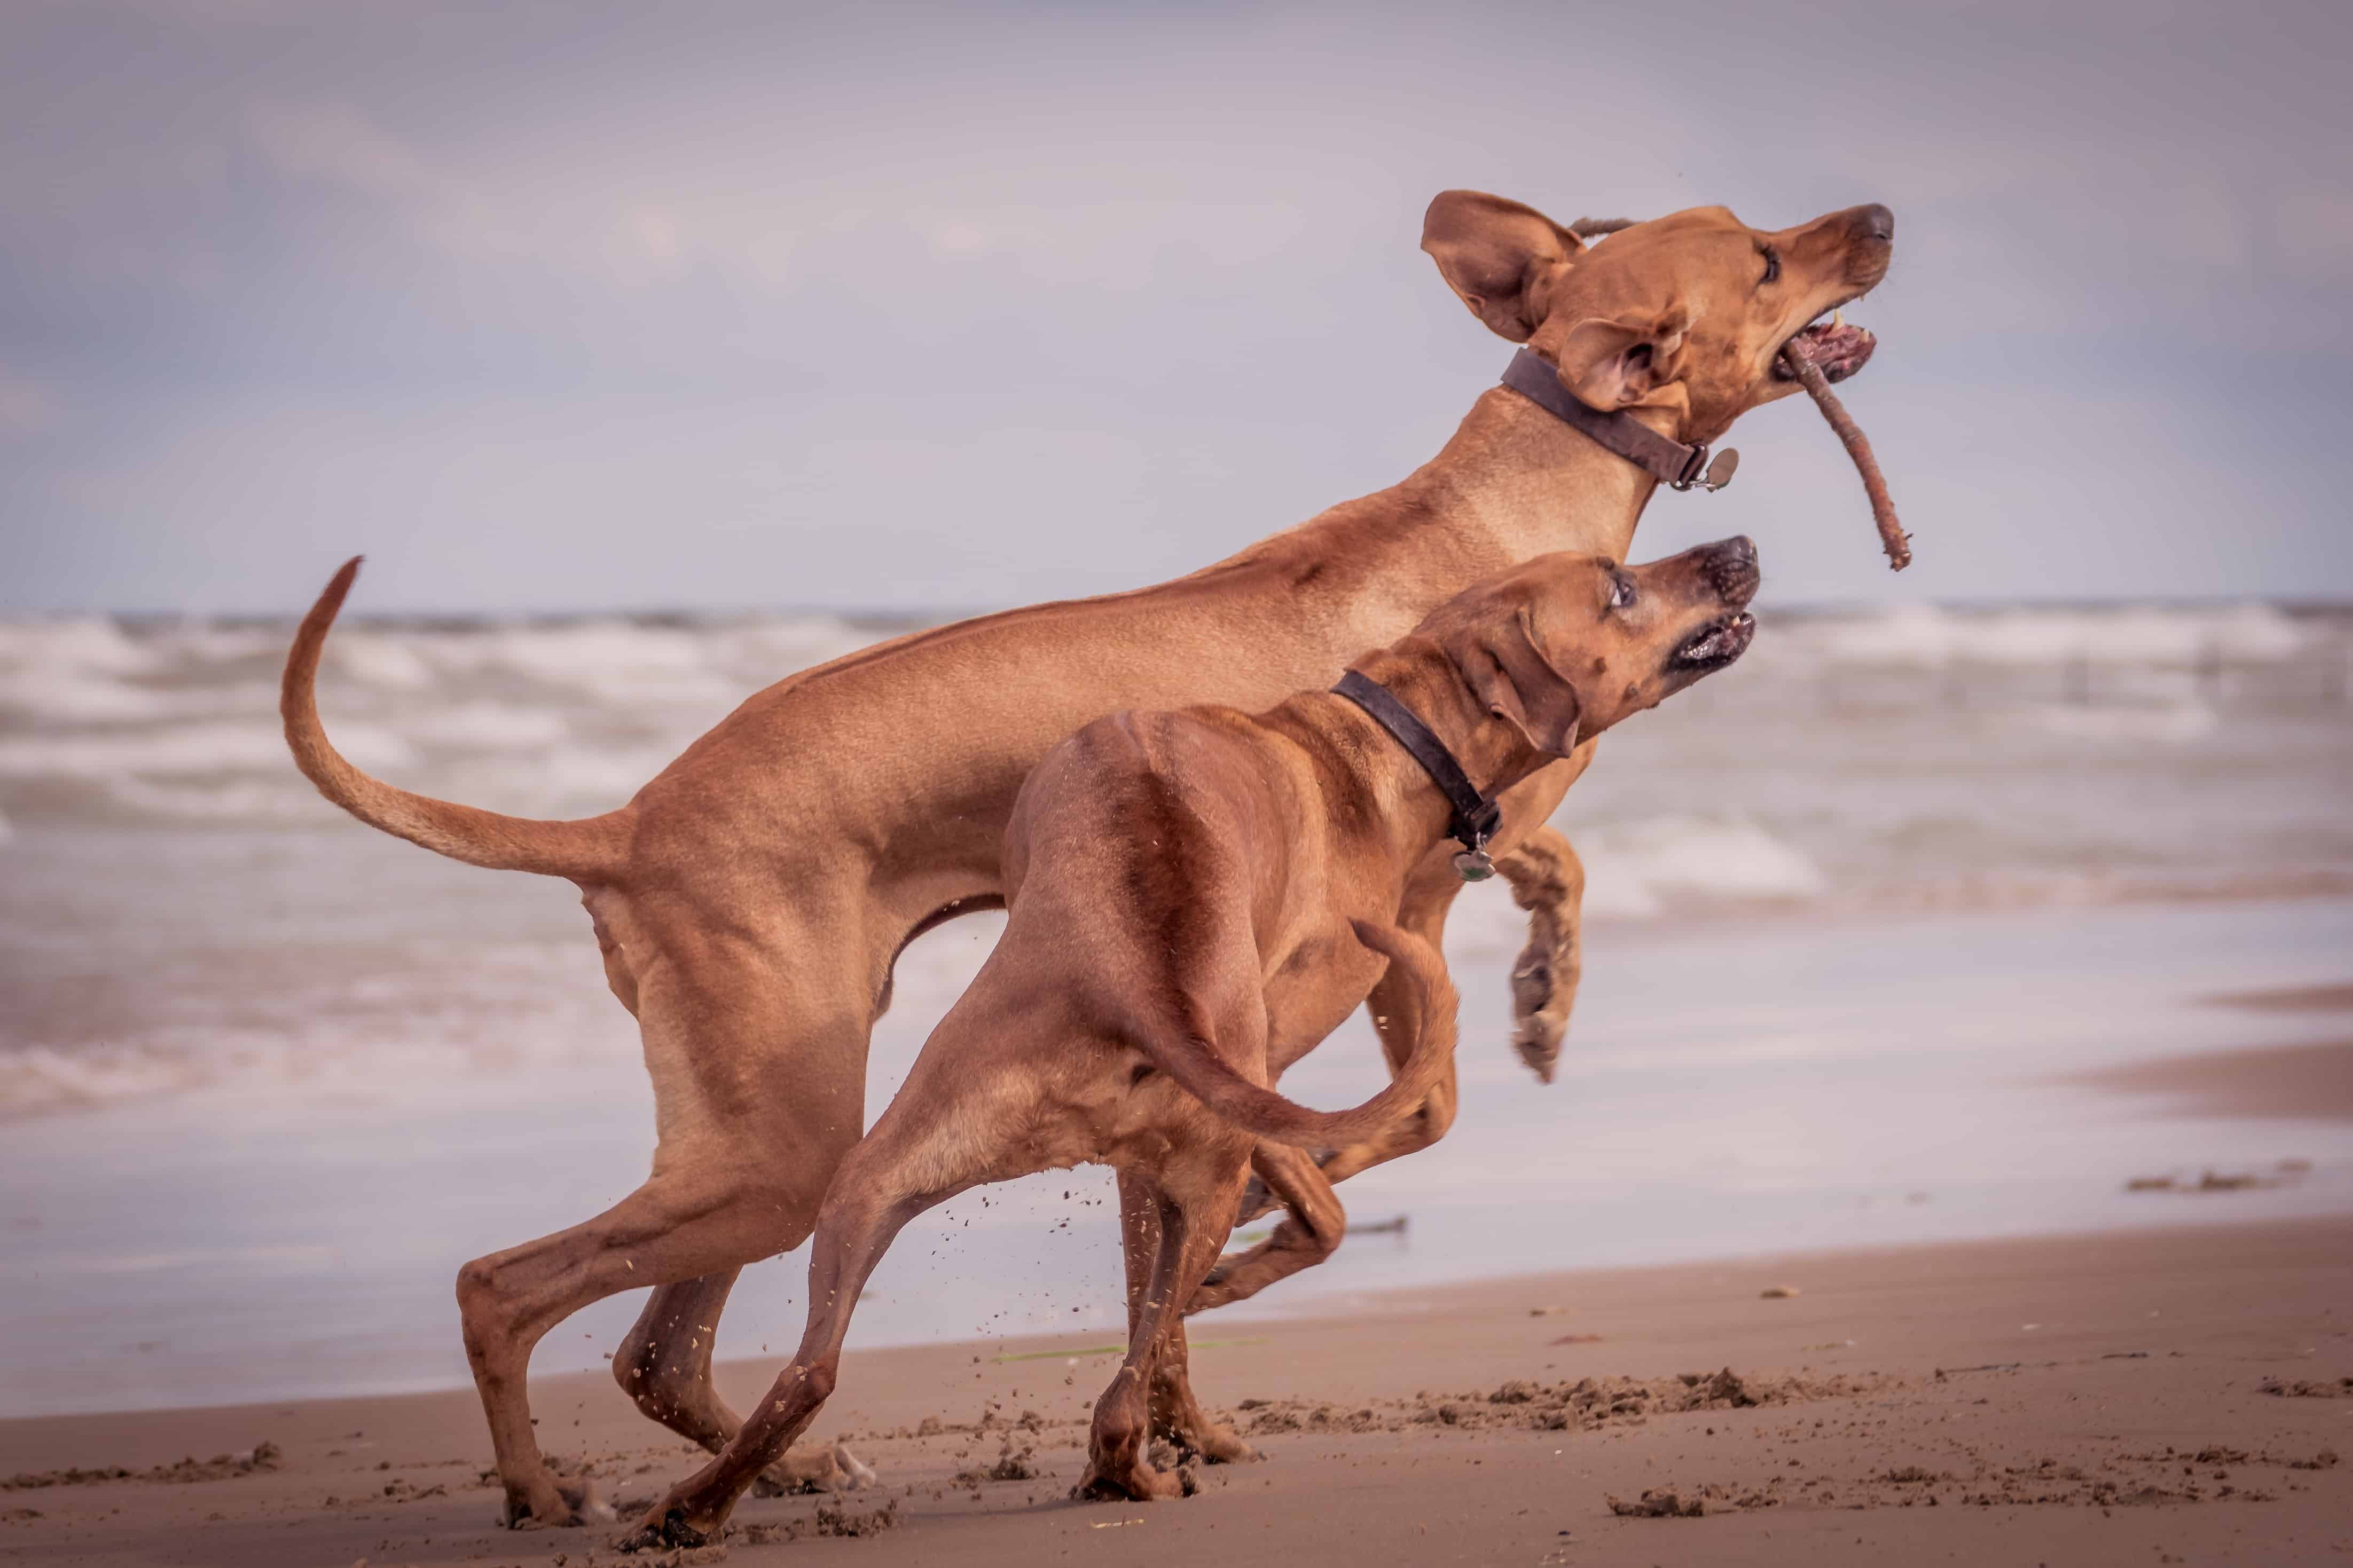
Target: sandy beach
{"x":2182,"y":1395}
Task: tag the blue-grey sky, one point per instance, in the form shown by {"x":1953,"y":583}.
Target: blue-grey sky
{"x":728,"y":304}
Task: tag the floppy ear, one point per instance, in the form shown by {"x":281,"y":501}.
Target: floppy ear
{"x":1611,"y":363}
{"x":1501,"y":257}
{"x":1505,"y":667}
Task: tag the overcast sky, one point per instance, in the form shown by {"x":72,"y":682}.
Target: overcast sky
{"x":577,"y":306}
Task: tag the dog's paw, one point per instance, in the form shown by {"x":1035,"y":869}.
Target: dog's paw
{"x":857,"y":1475}
{"x":572,"y":1503}
{"x":1258,"y":1201}
{"x":664,"y":1528}
{"x":1219,"y":1445}
{"x":1137,"y":1483}
{"x":1539,"y":1017}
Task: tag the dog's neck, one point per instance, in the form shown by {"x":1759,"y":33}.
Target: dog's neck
{"x":1518,"y":481}
{"x":1415,"y":812}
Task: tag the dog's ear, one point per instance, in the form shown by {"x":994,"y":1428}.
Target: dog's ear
{"x":1501,"y":257}
{"x":1612,"y":362}
{"x":1506,"y":668}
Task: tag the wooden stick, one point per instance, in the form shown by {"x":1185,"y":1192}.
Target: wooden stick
{"x":1858,"y":447}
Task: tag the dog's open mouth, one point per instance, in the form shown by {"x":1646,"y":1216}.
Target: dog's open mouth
{"x":1837,"y":345}
{"x":1715,"y":645}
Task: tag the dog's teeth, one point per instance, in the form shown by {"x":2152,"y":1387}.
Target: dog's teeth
{"x":1838,"y":320}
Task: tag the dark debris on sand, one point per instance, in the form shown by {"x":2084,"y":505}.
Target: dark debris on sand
{"x":2172,"y":1476}
{"x":1659,"y":1505}
{"x":826,"y":1522}
{"x":263,"y":1456}
{"x":1586,"y":1404}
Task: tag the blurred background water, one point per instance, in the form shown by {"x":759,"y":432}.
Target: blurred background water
{"x":179,"y":907}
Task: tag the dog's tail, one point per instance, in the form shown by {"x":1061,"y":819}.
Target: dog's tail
{"x":591,"y":849}
{"x":1204,"y":1075}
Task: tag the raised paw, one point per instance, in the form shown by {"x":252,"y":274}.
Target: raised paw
{"x":1540,"y":1015}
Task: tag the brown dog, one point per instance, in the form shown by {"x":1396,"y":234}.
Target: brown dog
{"x":1183,"y":889}
{"x":751,"y":900}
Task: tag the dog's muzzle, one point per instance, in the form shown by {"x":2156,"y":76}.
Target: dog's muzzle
{"x":1716,"y":644}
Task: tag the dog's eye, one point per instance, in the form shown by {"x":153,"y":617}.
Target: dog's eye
{"x":1772,"y":266}
{"x":1621,"y":591}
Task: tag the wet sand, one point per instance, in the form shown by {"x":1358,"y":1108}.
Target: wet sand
{"x":2308,"y":1082}
{"x":2164,"y":1396}
{"x":2292,"y":1083}
{"x":1729,"y":1088}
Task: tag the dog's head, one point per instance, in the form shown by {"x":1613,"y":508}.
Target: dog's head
{"x":1686,"y":314}
{"x":1565,"y":646}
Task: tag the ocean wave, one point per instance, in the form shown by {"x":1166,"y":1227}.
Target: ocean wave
{"x":1636,"y":869}
{"x":1930,"y":634}
{"x":122,"y":754}
{"x":78,"y":642}
{"x":2174,"y":722}
{"x":2050,"y":743}
{"x":370,"y":1019}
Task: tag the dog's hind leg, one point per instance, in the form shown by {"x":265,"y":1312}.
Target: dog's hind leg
{"x":664,"y":1366}
{"x":741,"y":1163}
{"x":918,"y":1155}
{"x":1547,"y":880}
{"x":860,"y":1221}
{"x":1309,"y":1232}
{"x":664,"y":1362}
{"x":675,"y":1227}
{"x":1192,"y":1210}
{"x":1176,"y":1414}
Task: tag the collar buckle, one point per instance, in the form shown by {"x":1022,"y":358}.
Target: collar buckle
{"x":1718,"y":473}
{"x":1694,"y":467}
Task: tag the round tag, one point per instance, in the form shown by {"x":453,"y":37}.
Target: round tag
{"x":1473,"y":865}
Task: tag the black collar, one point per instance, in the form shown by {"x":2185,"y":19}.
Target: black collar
{"x":1475,"y":815}
{"x":1681,"y":467}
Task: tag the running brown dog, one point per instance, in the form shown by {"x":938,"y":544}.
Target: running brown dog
{"x":1183,"y":889}
{"x":751,"y":900}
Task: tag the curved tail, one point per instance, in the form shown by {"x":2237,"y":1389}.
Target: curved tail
{"x":591,"y":849}
{"x":1204,"y":1075}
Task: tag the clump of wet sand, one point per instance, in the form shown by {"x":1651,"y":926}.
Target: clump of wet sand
{"x":1588,"y":1404}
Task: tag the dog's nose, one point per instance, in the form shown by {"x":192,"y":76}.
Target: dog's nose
{"x":1729,"y":567}
{"x":1874,"y":222}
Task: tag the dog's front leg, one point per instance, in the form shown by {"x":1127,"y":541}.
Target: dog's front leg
{"x":1309,"y":1232}
{"x":1547,"y":880}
